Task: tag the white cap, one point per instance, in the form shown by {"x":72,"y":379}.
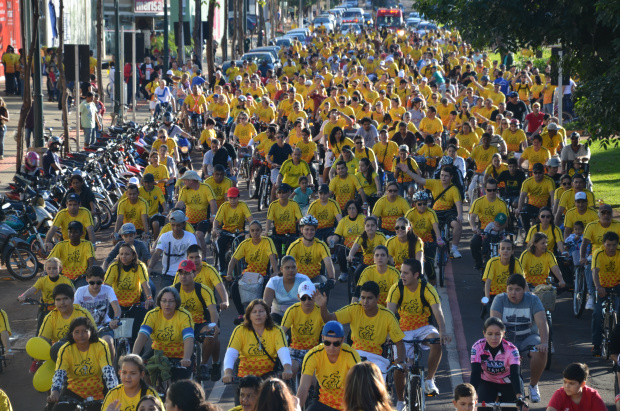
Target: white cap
{"x":238,"y":78}
{"x":382,"y":62}
{"x":134,"y":180}
{"x":401,"y":73}
{"x":424,"y":79}
{"x":170,"y":72}
{"x":371,"y":58}
{"x":306,"y":288}
{"x":308,"y":82}
{"x":389,"y":58}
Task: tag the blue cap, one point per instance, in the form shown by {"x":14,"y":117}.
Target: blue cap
{"x":216,"y":95}
{"x":333,"y":327}
{"x":319,"y":76}
{"x":513,"y":94}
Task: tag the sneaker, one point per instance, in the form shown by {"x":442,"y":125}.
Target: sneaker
{"x":238,"y":320}
{"x":400,"y":405}
{"x":344,"y":277}
{"x":216,"y":371}
{"x":534,"y":393}
{"x":203,"y":372}
{"x":590,"y":303}
{"x":430,"y":388}
{"x":454,"y":253}
{"x":596,"y":351}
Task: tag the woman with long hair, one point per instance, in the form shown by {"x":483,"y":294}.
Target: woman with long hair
{"x":366,"y":242}
{"x":495,"y":169}
{"x":380,"y":272}
{"x":547,"y":226}
{"x":371,"y":183}
{"x":538,"y":262}
{"x":274,"y":395}
{"x":258,"y":343}
{"x":364,"y":389}
{"x":499,"y":268}
{"x":132,"y":389}
{"x":187,"y":395}
{"x":405,"y":244}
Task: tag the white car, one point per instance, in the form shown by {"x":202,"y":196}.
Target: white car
{"x":325,"y":22}
{"x":347,"y":28}
{"x":412,"y":22}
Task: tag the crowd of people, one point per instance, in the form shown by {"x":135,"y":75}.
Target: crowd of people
{"x":372,"y":144}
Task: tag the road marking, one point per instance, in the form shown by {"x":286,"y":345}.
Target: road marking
{"x":216,"y":392}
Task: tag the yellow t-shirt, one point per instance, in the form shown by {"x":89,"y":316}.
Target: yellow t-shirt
{"x":498,"y":273}
{"x":127,"y":403}
{"x":385,"y":280}
{"x":132,"y":213}
{"x":331,"y":376}
{"x":4,"y":322}
{"x":487,"y":211}
{"x":413,"y":314}
{"x":483,"y":157}
{"x":307,"y":150}
{"x":325,"y":214}
{"x":538,"y":193}
{"x":468,"y":141}
{"x":430,"y":151}
{"x":245,"y":133}
{"x":219,"y":190}
{"x":207,"y":276}
{"x":595,"y":231}
{"x":551,"y":143}
{"x":63,"y":219}
{"x":369,"y":249}
{"x":221,"y":111}
{"x":514,"y":140}
{"x":192,"y":304}
{"x":344,"y":188}
{"x":369,"y":333}
{"x":55,"y":327}
{"x":349,"y":229}
{"x":448,"y":200}
{"x":46,"y":286}
{"x":422,"y":224}
{"x":537,"y":269}
{"x":168,"y":335}
{"x":154,"y":199}
{"x":609,"y":268}
{"x":308,"y":259}
{"x":265,"y":114}
{"x":84,"y":369}
{"x":74,"y":259}
{"x":553,"y":236}
{"x":573,"y":215}
{"x":127,"y":285}
{"x":256,"y":256}
{"x":431,"y":126}
{"x":369,"y":188}
{"x":305,"y":328}
{"x":170,"y":142}
{"x":284,"y":217}
{"x":291,"y":172}
{"x":160,"y":172}
{"x":206,"y":136}
{"x":337,"y":148}
{"x":233,"y":219}
{"x":400,"y":251}
{"x":196,"y":202}
{"x":389,"y":212}
{"x":195,"y":104}
{"x":252,"y":357}
{"x":541,"y":156}
{"x":567,"y":200}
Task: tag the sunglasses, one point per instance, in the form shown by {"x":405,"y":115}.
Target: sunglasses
{"x":358,"y":142}
{"x":306,"y":298}
{"x":335,"y":343}
{"x":491,"y":190}
{"x":392,"y":191}
{"x":421,"y":204}
{"x":538,"y":172}
{"x":545,"y":216}
{"x":400,"y":227}
{"x":566,"y":184}
{"x":95,"y":282}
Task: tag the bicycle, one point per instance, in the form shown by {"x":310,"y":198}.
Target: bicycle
{"x":198,"y":340}
{"x":580,"y":291}
{"x":70,"y":403}
{"x":415,"y":397}
{"x":43,"y":309}
{"x":351,"y":267}
{"x":3,"y":359}
{"x":610,"y":319}
{"x":441,"y":257}
{"x":549,"y":305}
{"x":245,"y":172}
{"x":237,"y":238}
{"x":499,"y":406}
{"x":264,"y":189}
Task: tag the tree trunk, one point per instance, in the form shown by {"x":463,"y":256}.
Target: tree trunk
{"x":224,"y":40}
{"x":240,"y":23}
{"x":100,"y":50}
{"x":180,"y":38}
{"x":62,"y":80}
{"x":198,"y":31}
{"x":235,"y":38}
{"x":262,"y":34}
{"x":273,"y":7}
{"x":210,"y":56}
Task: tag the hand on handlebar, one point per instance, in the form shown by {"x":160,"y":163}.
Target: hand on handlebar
{"x":227,"y":379}
{"x":445,"y":339}
{"x":287,"y":375}
{"x":561,"y":283}
{"x":185,"y":362}
{"x":54,"y":396}
{"x":542,"y":347}
{"x":602,"y":293}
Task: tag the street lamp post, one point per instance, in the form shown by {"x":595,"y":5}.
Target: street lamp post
{"x":117,"y":61}
{"x":166,"y":48}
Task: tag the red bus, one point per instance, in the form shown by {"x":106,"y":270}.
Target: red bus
{"x":390,"y":18}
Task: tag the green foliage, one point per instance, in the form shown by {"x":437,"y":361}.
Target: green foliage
{"x":589,"y":32}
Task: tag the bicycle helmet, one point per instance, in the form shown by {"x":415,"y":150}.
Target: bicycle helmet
{"x":32,"y":161}
{"x":446,"y":161}
{"x":54,"y":140}
{"x":309,"y":220}
{"x":168,"y":117}
{"x":515,"y":121}
{"x":421,"y":196}
{"x":575,"y":134}
{"x":242,"y":99}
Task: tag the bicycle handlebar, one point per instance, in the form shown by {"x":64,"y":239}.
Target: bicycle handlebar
{"x":426,"y":340}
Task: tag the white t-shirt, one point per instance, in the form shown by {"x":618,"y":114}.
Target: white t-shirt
{"x":163,"y":95}
{"x":98,"y":306}
{"x":174,"y":250}
{"x":284,"y":299}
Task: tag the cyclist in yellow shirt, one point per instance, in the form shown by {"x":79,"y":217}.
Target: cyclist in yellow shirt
{"x":244,"y":131}
{"x":220,"y":109}
{"x":311,"y":252}
{"x":366,"y":242}
{"x":380,"y":272}
{"x":538,"y":190}
{"x":431,"y":125}
{"x":283,"y":214}
{"x":73,"y":212}
{"x":230,"y":219}
{"x":535,"y":153}
{"x":606,"y":276}
{"x":329,"y":362}
{"x":498,"y":269}
{"x":132,"y":388}
{"x":133,"y":209}
{"x":195,"y":108}
{"x":75,"y":254}
{"x":265,"y":112}
{"x":155,"y":200}
{"x":292,"y":169}
{"x":538,"y":262}
{"x":406,"y":244}
{"x":389,"y":208}
{"x":344,"y":186}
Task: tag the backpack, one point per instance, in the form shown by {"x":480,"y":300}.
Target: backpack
{"x":422,"y":285}
{"x":197,"y":289}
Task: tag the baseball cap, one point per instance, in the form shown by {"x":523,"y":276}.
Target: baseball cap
{"x":134,"y":180}
{"x":324,"y":188}
{"x":501,"y":218}
{"x":333,"y":327}
{"x":552,"y":126}
{"x":513,"y":94}
{"x":190,"y":175}
{"x":403,"y":147}
{"x":75,"y":225}
{"x":346,"y":148}
{"x":285,"y":188}
{"x":127,"y":228}
{"x":187,"y":265}
{"x":602,"y":207}
{"x":170,"y":72}
{"x":553,"y":162}
{"x":538,"y":167}
{"x":73,"y":197}
{"x":485,"y":78}
{"x":177,"y":216}
{"x":148,"y":178}
{"x":233,"y":192}
{"x":306,"y":288}
{"x":581,"y":196}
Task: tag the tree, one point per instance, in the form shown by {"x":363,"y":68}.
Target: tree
{"x":210,"y":54}
{"x":62,"y":81}
{"x":198,"y":30}
{"x":587,"y":31}
{"x":100,"y":50}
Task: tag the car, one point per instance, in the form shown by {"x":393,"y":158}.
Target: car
{"x":412,"y":22}
{"x":324,"y":22}
{"x":368,"y":21}
{"x":259,"y":57}
{"x":273,"y":50}
{"x":301,"y":37}
{"x":353,"y":16}
{"x":226,"y":65}
{"x":347,"y":28}
{"x":413,"y":14}
{"x":424,"y":27}
{"x":281,"y":41}
{"x":305,"y":31}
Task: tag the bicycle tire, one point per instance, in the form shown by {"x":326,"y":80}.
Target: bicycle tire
{"x":2,"y":360}
{"x":351,"y":284}
{"x":550,"y":342}
{"x":415,"y":400}
{"x":121,"y":350}
{"x":611,"y":321}
{"x":18,"y":263}
{"x":251,"y":186}
{"x":440,"y":265}
{"x":261,"y":192}
{"x":198,"y":360}
{"x":105,"y":213}
{"x":579,"y":292}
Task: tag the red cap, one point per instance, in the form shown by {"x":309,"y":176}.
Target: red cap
{"x":233,"y":192}
{"x":187,"y":266}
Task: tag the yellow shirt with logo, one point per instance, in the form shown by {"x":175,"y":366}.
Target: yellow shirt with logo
{"x":514,"y":140}
{"x":196,"y":202}
{"x":431,"y":126}
{"x":413,"y":314}
{"x":256,"y":256}
{"x":568,"y":199}
{"x":483,"y":157}
{"x":349,"y":229}
{"x":369,"y":249}
{"x":252,"y":357}
{"x":422,"y":224}
{"x":595,"y":231}
{"x":385,"y":280}
{"x":128,"y":403}
{"x":344,"y":188}
{"x":305,"y":328}
{"x":537,"y":269}
{"x":609,"y":268}
{"x":127,"y":284}
{"x":84,"y":369}
{"x":219,"y":189}
{"x":232,"y":219}
{"x":389,"y":212}
{"x":291,"y":172}
{"x":487,"y":211}
{"x":385,"y":154}
{"x":400,"y":251}
{"x":468,"y":141}
{"x":532,"y":156}
{"x":308,"y":259}
{"x":284,"y":217}
{"x":74,"y":259}
{"x":538,"y":193}
{"x":192,"y":304}
{"x":63,"y":218}
{"x":153,"y":198}
{"x":498,"y":273}
{"x":449,"y":198}
{"x":307,"y":150}
{"x":245,"y":133}
{"x":132,"y":213}
{"x":168,"y":335}
{"x":55,"y":327}
{"x":46,"y":286}
{"x":573,"y":216}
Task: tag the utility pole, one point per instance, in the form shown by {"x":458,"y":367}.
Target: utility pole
{"x":38,"y":93}
{"x":166,"y":48}
{"x":118,"y":83}
{"x":560,"y":89}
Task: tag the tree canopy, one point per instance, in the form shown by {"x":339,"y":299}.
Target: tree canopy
{"x":588,"y":31}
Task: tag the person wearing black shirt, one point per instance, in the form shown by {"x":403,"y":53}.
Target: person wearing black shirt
{"x":87,"y":198}
{"x":469,"y":72}
{"x":518,"y":107}
{"x":501,"y":109}
{"x":513,"y":178}
{"x":278,"y":154}
{"x":51,"y":160}
{"x":232,"y":153}
{"x":216,"y":156}
{"x":406,"y":137}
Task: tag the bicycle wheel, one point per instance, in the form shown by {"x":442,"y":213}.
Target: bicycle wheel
{"x":121,"y":350}
{"x":262,"y":191}
{"x":579,"y":292}
{"x":105,"y":214}
{"x":610,"y":323}
{"x":22,"y":263}
{"x":415,"y":393}
{"x":251,"y":185}
{"x":198,"y":360}
{"x":550,"y":343}
{"x":441,"y":258}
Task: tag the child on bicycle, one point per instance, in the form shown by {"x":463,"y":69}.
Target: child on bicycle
{"x":302,"y":195}
{"x":573,"y":241}
{"x":574,"y":393}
